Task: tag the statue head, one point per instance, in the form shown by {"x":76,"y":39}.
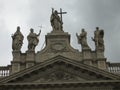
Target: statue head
{"x":31,"y":30}
{"x":18,"y":29}
{"x":97,"y":28}
{"x":55,"y":12}
{"x":83,"y":30}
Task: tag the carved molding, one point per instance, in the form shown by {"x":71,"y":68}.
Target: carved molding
{"x":58,"y":47}
{"x":57,"y":76}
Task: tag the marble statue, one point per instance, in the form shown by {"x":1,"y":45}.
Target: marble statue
{"x":98,"y":38}
{"x":55,"y":20}
{"x":82,"y":38}
{"x":17,"y":40}
{"x":33,"y":39}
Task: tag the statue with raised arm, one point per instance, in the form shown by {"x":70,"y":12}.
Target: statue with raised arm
{"x":55,"y":20}
{"x":82,"y":38}
{"x":98,"y":38}
{"x":17,"y":40}
{"x":33,"y":40}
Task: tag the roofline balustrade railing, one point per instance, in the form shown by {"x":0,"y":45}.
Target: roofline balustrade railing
{"x":5,"y":71}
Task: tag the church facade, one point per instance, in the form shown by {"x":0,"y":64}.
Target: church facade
{"x":59,"y":66}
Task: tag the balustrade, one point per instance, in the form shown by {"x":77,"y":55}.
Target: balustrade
{"x":4,"y":71}
{"x":114,"y":68}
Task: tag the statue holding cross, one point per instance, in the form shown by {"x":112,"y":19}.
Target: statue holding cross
{"x":56,"y":20}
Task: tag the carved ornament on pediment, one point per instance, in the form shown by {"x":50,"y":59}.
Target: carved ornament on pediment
{"x":58,"y":47}
{"x":57,"y":76}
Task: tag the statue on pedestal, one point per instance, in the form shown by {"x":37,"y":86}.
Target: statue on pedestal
{"x":32,"y":40}
{"x":55,"y":20}
{"x":98,"y":38}
{"x":17,"y":40}
{"x":82,"y":38}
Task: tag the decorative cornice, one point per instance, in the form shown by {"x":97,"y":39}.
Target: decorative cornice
{"x":65,"y":84}
{"x":60,"y":59}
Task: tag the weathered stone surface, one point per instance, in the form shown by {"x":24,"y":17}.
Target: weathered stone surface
{"x":59,"y":66}
{"x":98,"y":39}
{"x":17,"y":40}
{"x":32,"y":40}
{"x":58,"y":43}
{"x":61,"y":71}
{"x":82,"y":39}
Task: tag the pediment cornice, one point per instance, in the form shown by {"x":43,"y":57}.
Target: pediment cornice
{"x":62,"y":63}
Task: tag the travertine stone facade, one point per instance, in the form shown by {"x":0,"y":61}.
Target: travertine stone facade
{"x":59,"y":66}
{"x":58,"y":43}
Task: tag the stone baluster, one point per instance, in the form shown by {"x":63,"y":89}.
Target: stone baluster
{"x":4,"y":71}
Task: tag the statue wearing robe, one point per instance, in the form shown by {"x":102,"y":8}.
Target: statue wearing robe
{"x":32,"y":40}
{"x":55,"y":20}
{"x":17,"y":40}
{"x":82,"y":38}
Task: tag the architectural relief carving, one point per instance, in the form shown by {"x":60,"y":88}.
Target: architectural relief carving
{"x":57,"y":76}
{"x":58,"y":47}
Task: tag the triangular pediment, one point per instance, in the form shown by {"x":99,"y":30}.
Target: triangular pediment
{"x":60,"y":69}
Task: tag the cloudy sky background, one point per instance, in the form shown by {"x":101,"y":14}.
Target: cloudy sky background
{"x":86,"y":14}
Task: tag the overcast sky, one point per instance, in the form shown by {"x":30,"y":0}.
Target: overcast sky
{"x":86,"y":14}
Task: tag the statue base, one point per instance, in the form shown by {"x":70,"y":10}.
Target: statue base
{"x":87,"y":59}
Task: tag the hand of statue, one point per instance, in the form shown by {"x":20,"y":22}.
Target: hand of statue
{"x":12,"y":36}
{"x":76,"y":34}
{"x":92,"y":38}
{"x":40,"y":31}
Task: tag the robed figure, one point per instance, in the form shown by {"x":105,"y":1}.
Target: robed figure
{"x":55,"y":20}
{"x":98,"y":38}
{"x":32,"y":40}
{"x":17,"y":40}
{"x":82,"y":38}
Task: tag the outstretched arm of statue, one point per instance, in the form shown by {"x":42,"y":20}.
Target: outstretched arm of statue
{"x":13,"y":36}
{"x":39,"y":33}
{"x":76,"y":34}
{"x":52,"y":10}
{"x":92,"y":38}
{"x":78,"y":38}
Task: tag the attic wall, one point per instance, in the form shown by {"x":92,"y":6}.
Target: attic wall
{"x":58,"y":43}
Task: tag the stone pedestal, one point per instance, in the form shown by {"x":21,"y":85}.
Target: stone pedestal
{"x":15,"y":67}
{"x":56,"y":37}
{"x":16,"y":61}
{"x":100,"y":52}
{"x":57,"y":42}
{"x":102,"y":63}
{"x":16,"y":55}
{"x":101,"y":60}
{"x":30,"y":58}
{"x":87,"y":59}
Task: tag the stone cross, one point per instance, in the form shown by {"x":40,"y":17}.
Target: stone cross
{"x":40,"y":27}
{"x":61,"y":14}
